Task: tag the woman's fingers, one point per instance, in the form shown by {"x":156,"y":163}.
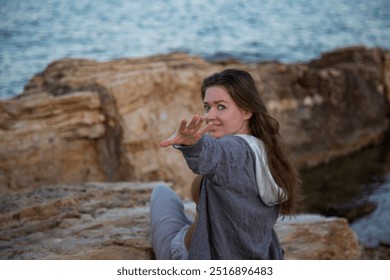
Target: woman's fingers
{"x":187,"y":134}
{"x":206,"y":129}
{"x":199,"y":123}
{"x":171,"y":140}
{"x":182,"y":126}
{"x":192,"y":124}
{"x":166,"y":143}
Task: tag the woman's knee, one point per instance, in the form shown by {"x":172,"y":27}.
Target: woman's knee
{"x":160,"y":191}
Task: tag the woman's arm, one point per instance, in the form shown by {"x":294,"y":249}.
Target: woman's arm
{"x":188,"y":135}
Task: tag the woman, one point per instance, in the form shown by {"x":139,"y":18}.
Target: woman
{"x":246,"y":178}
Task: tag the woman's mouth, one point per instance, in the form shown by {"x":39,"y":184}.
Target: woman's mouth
{"x":215,"y":126}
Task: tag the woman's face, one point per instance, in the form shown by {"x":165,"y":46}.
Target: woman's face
{"x":226,"y":116}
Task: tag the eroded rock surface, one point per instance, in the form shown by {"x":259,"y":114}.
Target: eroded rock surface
{"x":111,"y":221}
{"x":82,"y":120}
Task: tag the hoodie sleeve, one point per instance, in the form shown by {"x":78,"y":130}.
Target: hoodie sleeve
{"x":218,"y":158}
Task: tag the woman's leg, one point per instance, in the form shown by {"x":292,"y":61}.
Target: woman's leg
{"x":168,"y":224}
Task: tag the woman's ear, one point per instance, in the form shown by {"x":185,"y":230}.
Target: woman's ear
{"x":247,"y":115}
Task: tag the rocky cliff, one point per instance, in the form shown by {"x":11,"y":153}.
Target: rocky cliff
{"x":83,"y":121}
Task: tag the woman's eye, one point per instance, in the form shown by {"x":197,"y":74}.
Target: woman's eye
{"x":206,"y":108}
{"x":221,"y":107}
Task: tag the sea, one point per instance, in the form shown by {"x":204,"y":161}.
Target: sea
{"x":36,"y":33}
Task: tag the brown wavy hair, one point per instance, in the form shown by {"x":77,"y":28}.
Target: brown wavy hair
{"x":243,"y":90}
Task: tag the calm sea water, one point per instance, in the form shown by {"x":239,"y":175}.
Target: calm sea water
{"x":374,"y":229}
{"x":347,"y":184}
{"x":35,"y":33}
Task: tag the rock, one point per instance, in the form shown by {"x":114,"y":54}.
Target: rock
{"x":54,"y":139}
{"x":90,"y":221}
{"x":314,"y":237}
{"x":111,"y":221}
{"x":352,"y":211}
{"x":382,"y":252}
{"x":82,"y":120}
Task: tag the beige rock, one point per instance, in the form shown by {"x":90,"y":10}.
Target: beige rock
{"x":82,"y":120}
{"x":111,"y":221}
{"x":49,"y":139}
{"x":314,"y":237}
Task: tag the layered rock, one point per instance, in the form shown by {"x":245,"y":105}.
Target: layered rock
{"x":90,"y":221}
{"x":82,"y":120}
{"x":111,"y":221}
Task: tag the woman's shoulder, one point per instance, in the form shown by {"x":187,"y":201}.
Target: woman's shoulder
{"x":240,"y":139}
{"x":239,"y":144}
{"x":237,"y":138}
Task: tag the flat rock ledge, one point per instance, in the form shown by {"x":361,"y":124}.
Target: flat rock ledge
{"x":111,"y":221}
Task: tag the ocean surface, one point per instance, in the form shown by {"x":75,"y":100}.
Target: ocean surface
{"x":35,"y":33}
{"x":374,"y":229}
{"x":348,"y":184}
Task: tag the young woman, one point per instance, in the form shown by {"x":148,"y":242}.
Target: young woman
{"x":246,"y":180}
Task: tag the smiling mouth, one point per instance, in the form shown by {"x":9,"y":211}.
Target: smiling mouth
{"x":215,"y":127}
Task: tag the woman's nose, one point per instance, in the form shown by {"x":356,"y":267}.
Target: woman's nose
{"x":210,"y":115}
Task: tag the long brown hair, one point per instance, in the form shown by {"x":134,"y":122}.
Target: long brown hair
{"x":242,"y":88}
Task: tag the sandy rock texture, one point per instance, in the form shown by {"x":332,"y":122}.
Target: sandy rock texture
{"x":82,"y":120}
{"x":111,"y":221}
{"x":79,"y":153}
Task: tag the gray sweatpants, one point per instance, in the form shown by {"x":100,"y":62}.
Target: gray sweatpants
{"x":169,"y":224}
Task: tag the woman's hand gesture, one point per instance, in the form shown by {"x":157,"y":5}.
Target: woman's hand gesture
{"x":188,"y":134}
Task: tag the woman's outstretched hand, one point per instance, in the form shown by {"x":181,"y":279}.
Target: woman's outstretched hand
{"x":188,"y":134}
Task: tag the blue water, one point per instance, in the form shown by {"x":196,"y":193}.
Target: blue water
{"x":374,"y":229}
{"x":35,"y":33}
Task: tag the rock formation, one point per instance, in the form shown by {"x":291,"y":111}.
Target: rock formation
{"x":82,"y":120}
{"x":111,"y":221}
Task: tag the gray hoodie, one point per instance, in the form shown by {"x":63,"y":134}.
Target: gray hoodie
{"x":238,"y":200}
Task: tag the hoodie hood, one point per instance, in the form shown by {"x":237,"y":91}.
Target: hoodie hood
{"x":269,"y":191}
